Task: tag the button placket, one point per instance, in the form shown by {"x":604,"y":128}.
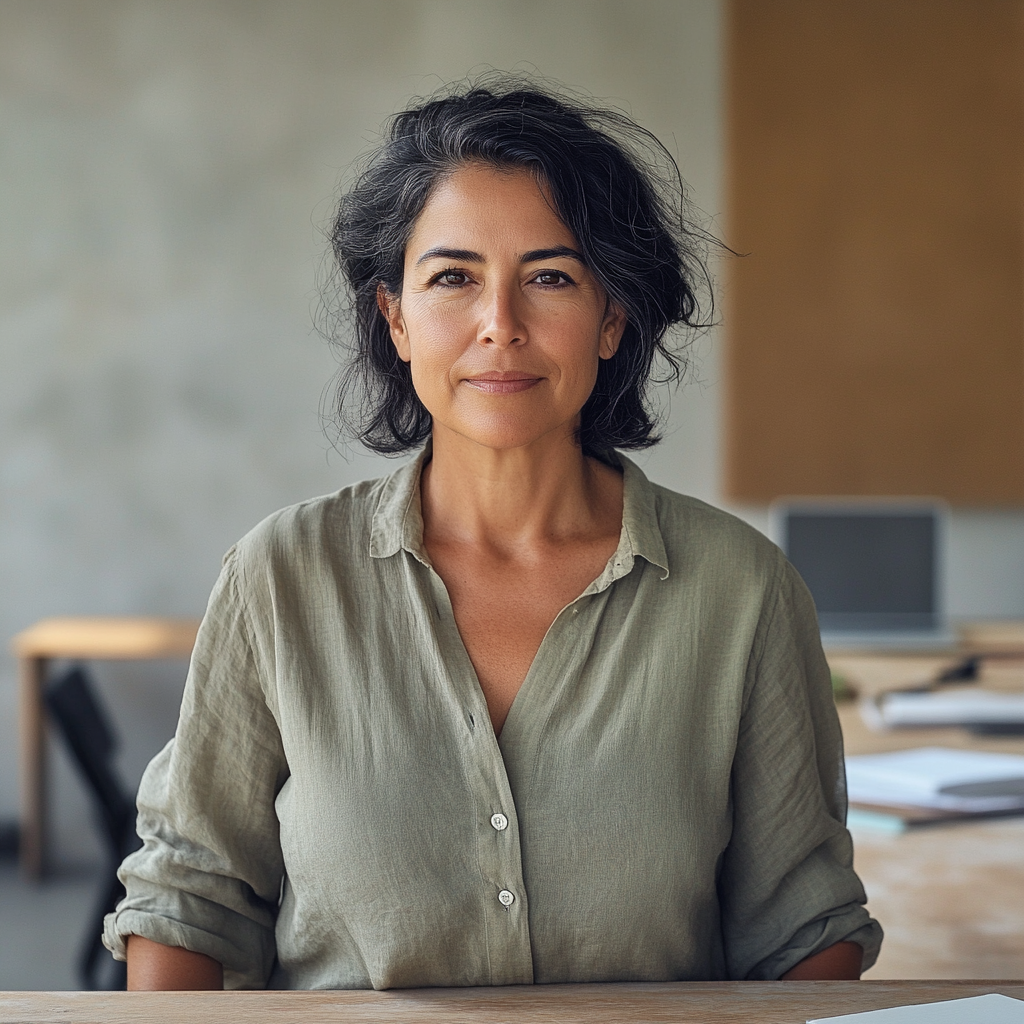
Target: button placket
{"x":509,"y":948}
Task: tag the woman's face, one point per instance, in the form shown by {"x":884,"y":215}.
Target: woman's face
{"x":499,"y":319}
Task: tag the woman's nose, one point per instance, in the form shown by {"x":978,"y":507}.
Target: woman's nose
{"x":502,"y":323}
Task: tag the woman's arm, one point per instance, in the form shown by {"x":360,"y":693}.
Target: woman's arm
{"x":153,"y":967}
{"x":840,"y":962}
{"x":789,"y":801}
{"x":209,"y":874}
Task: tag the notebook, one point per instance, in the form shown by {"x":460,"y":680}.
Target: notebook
{"x":965,"y":781}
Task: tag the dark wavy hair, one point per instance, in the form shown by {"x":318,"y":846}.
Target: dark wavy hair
{"x":616,"y":188}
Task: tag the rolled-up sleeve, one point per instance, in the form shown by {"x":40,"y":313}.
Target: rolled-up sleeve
{"x":787,"y":885}
{"x":208,"y":876}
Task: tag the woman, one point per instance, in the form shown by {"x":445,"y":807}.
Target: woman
{"x":512,"y":714}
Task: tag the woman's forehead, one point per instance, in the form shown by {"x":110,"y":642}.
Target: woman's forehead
{"x":496,"y":205}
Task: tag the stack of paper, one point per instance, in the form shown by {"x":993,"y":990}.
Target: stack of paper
{"x":937,"y":779}
{"x":938,"y":708}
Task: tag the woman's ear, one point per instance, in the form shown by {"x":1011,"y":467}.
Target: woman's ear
{"x":612,"y":328}
{"x":391,"y":309}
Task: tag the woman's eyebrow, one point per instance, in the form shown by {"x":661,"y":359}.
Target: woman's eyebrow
{"x":462,"y":255}
{"x":534,"y":255}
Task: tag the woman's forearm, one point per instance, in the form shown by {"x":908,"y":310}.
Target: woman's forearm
{"x":841,"y":962}
{"x":153,"y":967}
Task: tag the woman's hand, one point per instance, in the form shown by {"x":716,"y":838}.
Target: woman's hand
{"x":153,"y":967}
{"x":840,"y":962}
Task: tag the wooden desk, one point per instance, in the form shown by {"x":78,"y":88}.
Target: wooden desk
{"x":950,"y":897}
{"x":749,"y":1002}
{"x":78,"y":639}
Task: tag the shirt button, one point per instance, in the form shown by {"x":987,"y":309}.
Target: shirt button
{"x":506,"y":898}
{"x":499,"y":822}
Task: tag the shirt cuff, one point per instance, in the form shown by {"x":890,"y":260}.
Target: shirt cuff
{"x":241,"y":970}
{"x":851,"y":925}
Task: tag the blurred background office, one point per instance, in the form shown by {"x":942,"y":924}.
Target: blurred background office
{"x":166,"y":172}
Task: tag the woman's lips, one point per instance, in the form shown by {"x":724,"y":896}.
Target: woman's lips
{"x":503,"y":383}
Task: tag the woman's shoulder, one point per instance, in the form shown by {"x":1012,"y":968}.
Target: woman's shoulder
{"x":736,"y":569}
{"x":700,"y":536}
{"x":310,"y":530}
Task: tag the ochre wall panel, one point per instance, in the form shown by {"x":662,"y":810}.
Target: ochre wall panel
{"x":876,"y":326}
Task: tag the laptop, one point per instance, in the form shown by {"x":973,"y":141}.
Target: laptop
{"x":874,"y":568}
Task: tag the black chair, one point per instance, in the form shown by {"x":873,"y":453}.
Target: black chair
{"x":78,"y":714}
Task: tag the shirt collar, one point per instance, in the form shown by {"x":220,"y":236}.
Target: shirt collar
{"x":398,"y":521}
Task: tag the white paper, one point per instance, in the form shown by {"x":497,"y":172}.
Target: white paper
{"x":990,"y":1009}
{"x":934,"y":777}
{"x":962,"y":707}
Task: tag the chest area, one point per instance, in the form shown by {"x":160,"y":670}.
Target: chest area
{"x":407,"y":659}
{"x":504,"y":608}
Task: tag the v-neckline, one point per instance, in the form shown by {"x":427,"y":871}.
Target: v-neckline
{"x":619,"y":564}
{"x":594,"y":587}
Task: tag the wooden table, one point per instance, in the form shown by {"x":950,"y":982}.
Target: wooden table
{"x":119,"y":639}
{"x":750,"y":1002}
{"x":951,"y":896}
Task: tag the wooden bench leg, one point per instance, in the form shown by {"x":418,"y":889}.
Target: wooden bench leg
{"x":32,"y":727}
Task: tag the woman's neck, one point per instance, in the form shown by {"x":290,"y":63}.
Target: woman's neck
{"x":516,"y":499}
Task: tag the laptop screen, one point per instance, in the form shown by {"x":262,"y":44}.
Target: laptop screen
{"x":868,"y":571}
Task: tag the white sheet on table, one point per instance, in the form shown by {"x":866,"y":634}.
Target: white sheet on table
{"x":989,"y":1009}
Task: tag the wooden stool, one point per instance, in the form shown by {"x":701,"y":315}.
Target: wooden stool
{"x":120,"y":639}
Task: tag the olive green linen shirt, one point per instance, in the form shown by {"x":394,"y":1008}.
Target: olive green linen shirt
{"x":665,"y":802}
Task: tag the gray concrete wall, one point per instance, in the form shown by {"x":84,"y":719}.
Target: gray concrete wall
{"x":165,"y":168}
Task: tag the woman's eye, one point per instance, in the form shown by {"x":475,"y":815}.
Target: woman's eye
{"x":451,"y":278}
{"x":552,"y":278}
